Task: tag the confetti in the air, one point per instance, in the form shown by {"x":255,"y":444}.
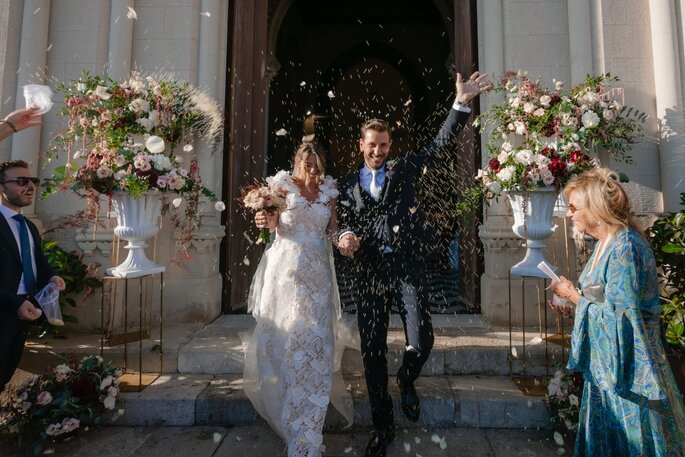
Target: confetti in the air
{"x":331,"y":94}
{"x":219,"y":206}
{"x":303,"y":83}
{"x":131,"y":14}
{"x":217,"y":437}
{"x":281,"y":132}
{"x":206,"y":13}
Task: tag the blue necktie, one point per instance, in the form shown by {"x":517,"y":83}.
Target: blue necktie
{"x":27,"y":265}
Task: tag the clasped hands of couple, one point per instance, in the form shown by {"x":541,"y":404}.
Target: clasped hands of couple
{"x":348,"y":243}
{"x":28,"y":311}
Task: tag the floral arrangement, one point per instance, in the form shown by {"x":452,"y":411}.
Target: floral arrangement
{"x":134,"y":136}
{"x":69,"y":397}
{"x":564,"y":391}
{"x":263,"y":198}
{"x":542,"y":137}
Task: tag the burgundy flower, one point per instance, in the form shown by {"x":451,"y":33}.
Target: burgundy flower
{"x":494,"y":165}
{"x":555,"y":99}
{"x":578,"y":157}
{"x":85,"y":389}
{"x":557,"y":167}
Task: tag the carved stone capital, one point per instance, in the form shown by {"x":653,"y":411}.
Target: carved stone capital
{"x":90,"y":243}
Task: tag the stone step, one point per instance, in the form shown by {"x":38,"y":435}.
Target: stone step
{"x":464,"y":345}
{"x":446,"y":401}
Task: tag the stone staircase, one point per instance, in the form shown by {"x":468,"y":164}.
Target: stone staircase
{"x":465,"y":383}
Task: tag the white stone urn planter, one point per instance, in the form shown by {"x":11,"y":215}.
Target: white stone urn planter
{"x":137,"y":221}
{"x":533,"y":212}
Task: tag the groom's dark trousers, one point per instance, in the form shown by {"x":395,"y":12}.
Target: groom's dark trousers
{"x":395,"y":241}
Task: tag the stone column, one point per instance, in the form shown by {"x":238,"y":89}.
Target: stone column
{"x":120,"y":40}
{"x":669,"y":102}
{"x":580,"y":39}
{"x":32,"y":70}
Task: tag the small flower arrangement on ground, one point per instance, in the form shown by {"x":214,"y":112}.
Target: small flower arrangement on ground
{"x":134,"y":136}
{"x":542,"y":137}
{"x":70,"y":397}
{"x":263,"y":198}
{"x":564,"y":392}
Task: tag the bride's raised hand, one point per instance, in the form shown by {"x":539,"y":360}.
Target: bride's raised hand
{"x":265,"y":219}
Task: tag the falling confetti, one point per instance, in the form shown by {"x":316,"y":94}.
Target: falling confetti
{"x":177,"y":202}
{"x":536,"y":340}
{"x":348,"y":450}
{"x":281,"y":132}
{"x":303,"y":83}
{"x":407,"y":447}
{"x":408,"y":102}
{"x":219,"y":206}
{"x":217,"y":437}
{"x":206,"y":13}
{"x":308,"y":138}
{"x":558,"y":439}
{"x":131,"y":14}
{"x":331,"y":94}
{"x":188,"y":147}
{"x":514,"y":353}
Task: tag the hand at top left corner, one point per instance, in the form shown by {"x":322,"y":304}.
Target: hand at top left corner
{"x":468,"y":90}
{"x":59,"y":282}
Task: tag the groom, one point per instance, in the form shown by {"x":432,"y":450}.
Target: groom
{"x":384,"y":228}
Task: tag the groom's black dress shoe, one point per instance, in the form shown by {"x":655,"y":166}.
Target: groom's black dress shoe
{"x":411,"y":406}
{"x":379,"y":442}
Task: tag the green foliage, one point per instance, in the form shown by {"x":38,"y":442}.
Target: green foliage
{"x":667,"y":238}
{"x":76,"y":275}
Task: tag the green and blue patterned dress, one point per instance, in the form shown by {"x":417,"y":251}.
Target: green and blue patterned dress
{"x":631,"y":405}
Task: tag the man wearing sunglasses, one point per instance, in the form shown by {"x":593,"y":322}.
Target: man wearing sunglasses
{"x":24,"y":270}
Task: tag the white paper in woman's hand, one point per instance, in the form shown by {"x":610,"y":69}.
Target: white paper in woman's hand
{"x":546,"y":269}
{"x":38,"y":96}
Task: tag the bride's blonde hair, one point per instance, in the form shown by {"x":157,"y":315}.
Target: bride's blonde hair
{"x":303,"y":151}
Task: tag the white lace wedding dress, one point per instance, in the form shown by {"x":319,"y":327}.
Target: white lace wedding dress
{"x":291,"y":356}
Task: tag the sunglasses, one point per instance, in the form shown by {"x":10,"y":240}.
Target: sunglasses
{"x":573,"y":209}
{"x":23,"y":181}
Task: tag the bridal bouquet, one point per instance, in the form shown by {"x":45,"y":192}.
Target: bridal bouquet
{"x":263,"y":198}
{"x":543,"y":137}
{"x":69,"y":397}
{"x":134,"y":136}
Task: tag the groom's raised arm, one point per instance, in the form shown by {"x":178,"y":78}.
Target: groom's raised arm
{"x":456,"y":119}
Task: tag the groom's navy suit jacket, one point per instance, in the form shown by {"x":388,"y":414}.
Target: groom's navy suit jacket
{"x":397,"y":220}
{"x":11,"y":268}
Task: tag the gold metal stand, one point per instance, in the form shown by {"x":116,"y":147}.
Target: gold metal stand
{"x":144,"y":379}
{"x":533,"y":384}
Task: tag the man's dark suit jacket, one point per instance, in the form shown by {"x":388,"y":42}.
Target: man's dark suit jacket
{"x":397,"y":219}
{"x":11,"y":268}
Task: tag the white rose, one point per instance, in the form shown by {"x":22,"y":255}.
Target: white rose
{"x":155,"y":144}
{"x":101,"y":93}
{"x":503,"y":156}
{"x":506,"y":146}
{"x":139,"y":105}
{"x":153,"y":117}
{"x":506,"y":173}
{"x":539,"y":112}
{"x":520,"y":128}
{"x":119,"y":160}
{"x":121,"y":174}
{"x":219,"y":206}
{"x":608,"y":114}
{"x":104,"y":172}
{"x":545,"y":100}
{"x":80,"y":87}
{"x":524,"y":156}
{"x":146,"y":123}
{"x":528,"y":107}
{"x":590,"y":119}
{"x":515,"y":102}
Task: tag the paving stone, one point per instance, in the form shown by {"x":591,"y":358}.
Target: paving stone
{"x":224,"y":402}
{"x":529,"y":443}
{"x":170,"y":400}
{"x":214,"y":351}
{"x":252,"y":441}
{"x":181,"y":441}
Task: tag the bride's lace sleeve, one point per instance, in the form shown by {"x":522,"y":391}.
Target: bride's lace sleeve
{"x":281,"y":180}
{"x":329,"y":194}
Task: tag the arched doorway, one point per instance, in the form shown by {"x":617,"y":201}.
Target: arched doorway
{"x":335,"y":64}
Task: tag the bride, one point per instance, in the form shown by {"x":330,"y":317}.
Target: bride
{"x":292,"y":365}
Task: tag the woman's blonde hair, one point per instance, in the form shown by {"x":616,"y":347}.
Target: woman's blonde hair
{"x":603,"y":198}
{"x":303,"y":151}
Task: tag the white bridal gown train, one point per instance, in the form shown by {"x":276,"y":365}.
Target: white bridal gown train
{"x":293,"y":357}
